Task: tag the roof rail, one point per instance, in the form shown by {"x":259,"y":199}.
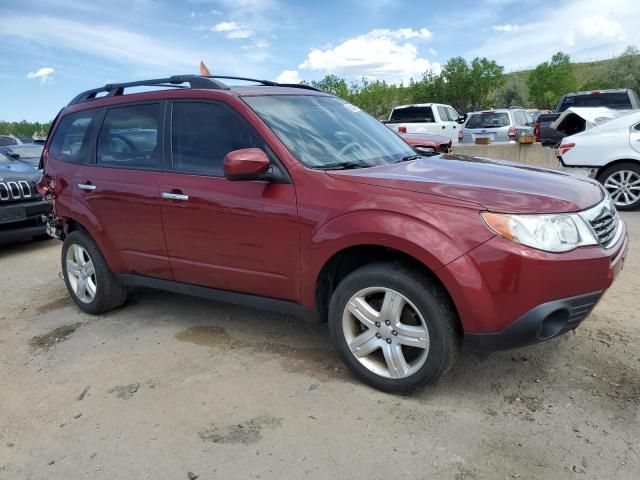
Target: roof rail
{"x":176,"y":81}
{"x":195,"y":81}
{"x":267,"y":83}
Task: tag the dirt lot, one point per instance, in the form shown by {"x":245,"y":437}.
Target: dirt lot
{"x":170,"y":385}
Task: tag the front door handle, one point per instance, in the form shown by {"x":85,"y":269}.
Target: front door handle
{"x":175,"y":196}
{"x":86,"y":186}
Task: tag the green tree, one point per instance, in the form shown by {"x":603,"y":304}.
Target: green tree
{"x":333,"y":85}
{"x":550,"y":80}
{"x":625,"y":71}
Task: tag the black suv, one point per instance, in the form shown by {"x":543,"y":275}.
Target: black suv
{"x":22,"y":208}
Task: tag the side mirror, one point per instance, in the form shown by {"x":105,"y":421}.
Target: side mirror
{"x":245,"y":164}
{"x":461,"y":120}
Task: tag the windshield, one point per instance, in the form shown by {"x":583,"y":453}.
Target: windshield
{"x":327,"y":131}
{"x":618,"y":101}
{"x":488,"y":120}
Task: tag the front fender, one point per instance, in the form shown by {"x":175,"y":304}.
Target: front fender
{"x":434,"y":244}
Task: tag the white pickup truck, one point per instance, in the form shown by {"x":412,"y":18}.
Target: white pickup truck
{"x":432,"y":118}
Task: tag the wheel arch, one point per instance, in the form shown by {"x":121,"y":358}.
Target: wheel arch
{"x":70,"y":224}
{"x":613,"y":163}
{"x":349,"y":259}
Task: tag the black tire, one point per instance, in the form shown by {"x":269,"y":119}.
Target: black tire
{"x":433,"y":304}
{"x":109,"y":293}
{"x":616,"y":169}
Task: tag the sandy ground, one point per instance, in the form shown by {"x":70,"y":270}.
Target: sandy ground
{"x":170,"y":385}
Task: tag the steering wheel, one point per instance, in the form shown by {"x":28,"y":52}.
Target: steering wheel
{"x":347,"y":147}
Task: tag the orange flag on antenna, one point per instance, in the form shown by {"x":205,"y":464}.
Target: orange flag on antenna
{"x":204,"y":70}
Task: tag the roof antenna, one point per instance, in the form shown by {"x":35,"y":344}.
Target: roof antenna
{"x":204,"y":70}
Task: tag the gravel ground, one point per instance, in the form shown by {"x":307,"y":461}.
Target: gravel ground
{"x":173,"y":387}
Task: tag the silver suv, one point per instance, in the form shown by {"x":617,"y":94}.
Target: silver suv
{"x":501,"y":125}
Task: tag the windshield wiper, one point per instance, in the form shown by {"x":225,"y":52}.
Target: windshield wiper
{"x":408,"y":158}
{"x":340,"y":166}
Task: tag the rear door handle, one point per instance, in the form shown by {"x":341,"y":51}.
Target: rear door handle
{"x":86,"y":186}
{"x":175,"y":196}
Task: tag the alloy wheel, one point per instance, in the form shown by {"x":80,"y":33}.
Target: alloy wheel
{"x":81,"y":273}
{"x":624,"y":187}
{"x":385,"y":332}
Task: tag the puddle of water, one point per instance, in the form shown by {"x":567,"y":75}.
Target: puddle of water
{"x":244,"y":433}
{"x":319,"y":362}
{"x":54,"y":337}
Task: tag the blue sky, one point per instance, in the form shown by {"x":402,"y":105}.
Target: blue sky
{"x":52,"y":49}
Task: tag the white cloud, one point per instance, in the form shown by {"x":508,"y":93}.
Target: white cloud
{"x":233,"y":30}
{"x":507,"y":27}
{"x":433,"y":51}
{"x":44,"y":74}
{"x":596,"y":31}
{"x":215,"y":12}
{"x":289,"y":76}
{"x":379,"y":54}
{"x":106,"y":42}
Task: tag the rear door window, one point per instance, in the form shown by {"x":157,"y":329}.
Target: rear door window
{"x":130,"y":137}
{"x":413,"y":114}
{"x":488,"y":120}
{"x":202,"y":133}
{"x":442,"y":113}
{"x":71,"y":139}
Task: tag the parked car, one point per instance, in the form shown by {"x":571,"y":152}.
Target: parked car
{"x":427,"y":144}
{"x":6,"y":140}
{"x":613,"y":148}
{"x":22,"y":208}
{"x":501,"y":125}
{"x":28,"y":153}
{"x":430,"y":118}
{"x":616,"y":99}
{"x":287,"y":198}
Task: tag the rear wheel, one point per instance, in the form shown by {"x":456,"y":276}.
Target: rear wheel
{"x":394,"y":327}
{"x":91,"y":284}
{"x":622,"y":181}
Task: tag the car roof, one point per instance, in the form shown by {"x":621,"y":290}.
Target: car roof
{"x":598,"y":90}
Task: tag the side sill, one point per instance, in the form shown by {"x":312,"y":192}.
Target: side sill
{"x":226,"y":296}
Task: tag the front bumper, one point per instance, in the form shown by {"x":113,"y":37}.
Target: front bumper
{"x":23,"y":220}
{"x":539,"y":324}
{"x":508,"y":295}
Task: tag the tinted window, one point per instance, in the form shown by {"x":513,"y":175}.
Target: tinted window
{"x":70,"y":141}
{"x":637,"y":127}
{"x":488,"y":120}
{"x":129,"y":137}
{"x":5,"y":141}
{"x":618,"y":101}
{"x":203,"y":133}
{"x":412,"y":114}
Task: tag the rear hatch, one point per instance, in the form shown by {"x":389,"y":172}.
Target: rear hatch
{"x":491,"y":125}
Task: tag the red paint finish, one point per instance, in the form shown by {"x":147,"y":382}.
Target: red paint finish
{"x":247,"y":163}
{"x":273,"y":239}
{"x":425,"y":140}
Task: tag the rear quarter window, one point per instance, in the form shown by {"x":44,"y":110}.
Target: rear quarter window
{"x":70,"y":142}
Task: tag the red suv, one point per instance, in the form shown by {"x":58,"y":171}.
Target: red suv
{"x":286,"y":198}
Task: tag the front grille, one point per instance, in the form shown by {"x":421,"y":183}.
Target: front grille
{"x":13,"y":190}
{"x":605,"y":222}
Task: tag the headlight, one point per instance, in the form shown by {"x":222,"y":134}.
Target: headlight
{"x":552,"y":233}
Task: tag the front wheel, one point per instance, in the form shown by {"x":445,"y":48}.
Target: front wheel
{"x":91,"y":284}
{"x":394,"y":327}
{"x":622,"y":181}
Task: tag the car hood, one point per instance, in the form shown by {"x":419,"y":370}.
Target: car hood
{"x":496,"y":185}
{"x":16,"y":166}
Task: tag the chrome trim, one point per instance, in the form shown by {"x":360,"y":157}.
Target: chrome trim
{"x":4,"y":192}
{"x":175,"y":196}
{"x":604,"y":222}
{"x":25,"y":188}
{"x":15,"y":194}
{"x":86,"y":186}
